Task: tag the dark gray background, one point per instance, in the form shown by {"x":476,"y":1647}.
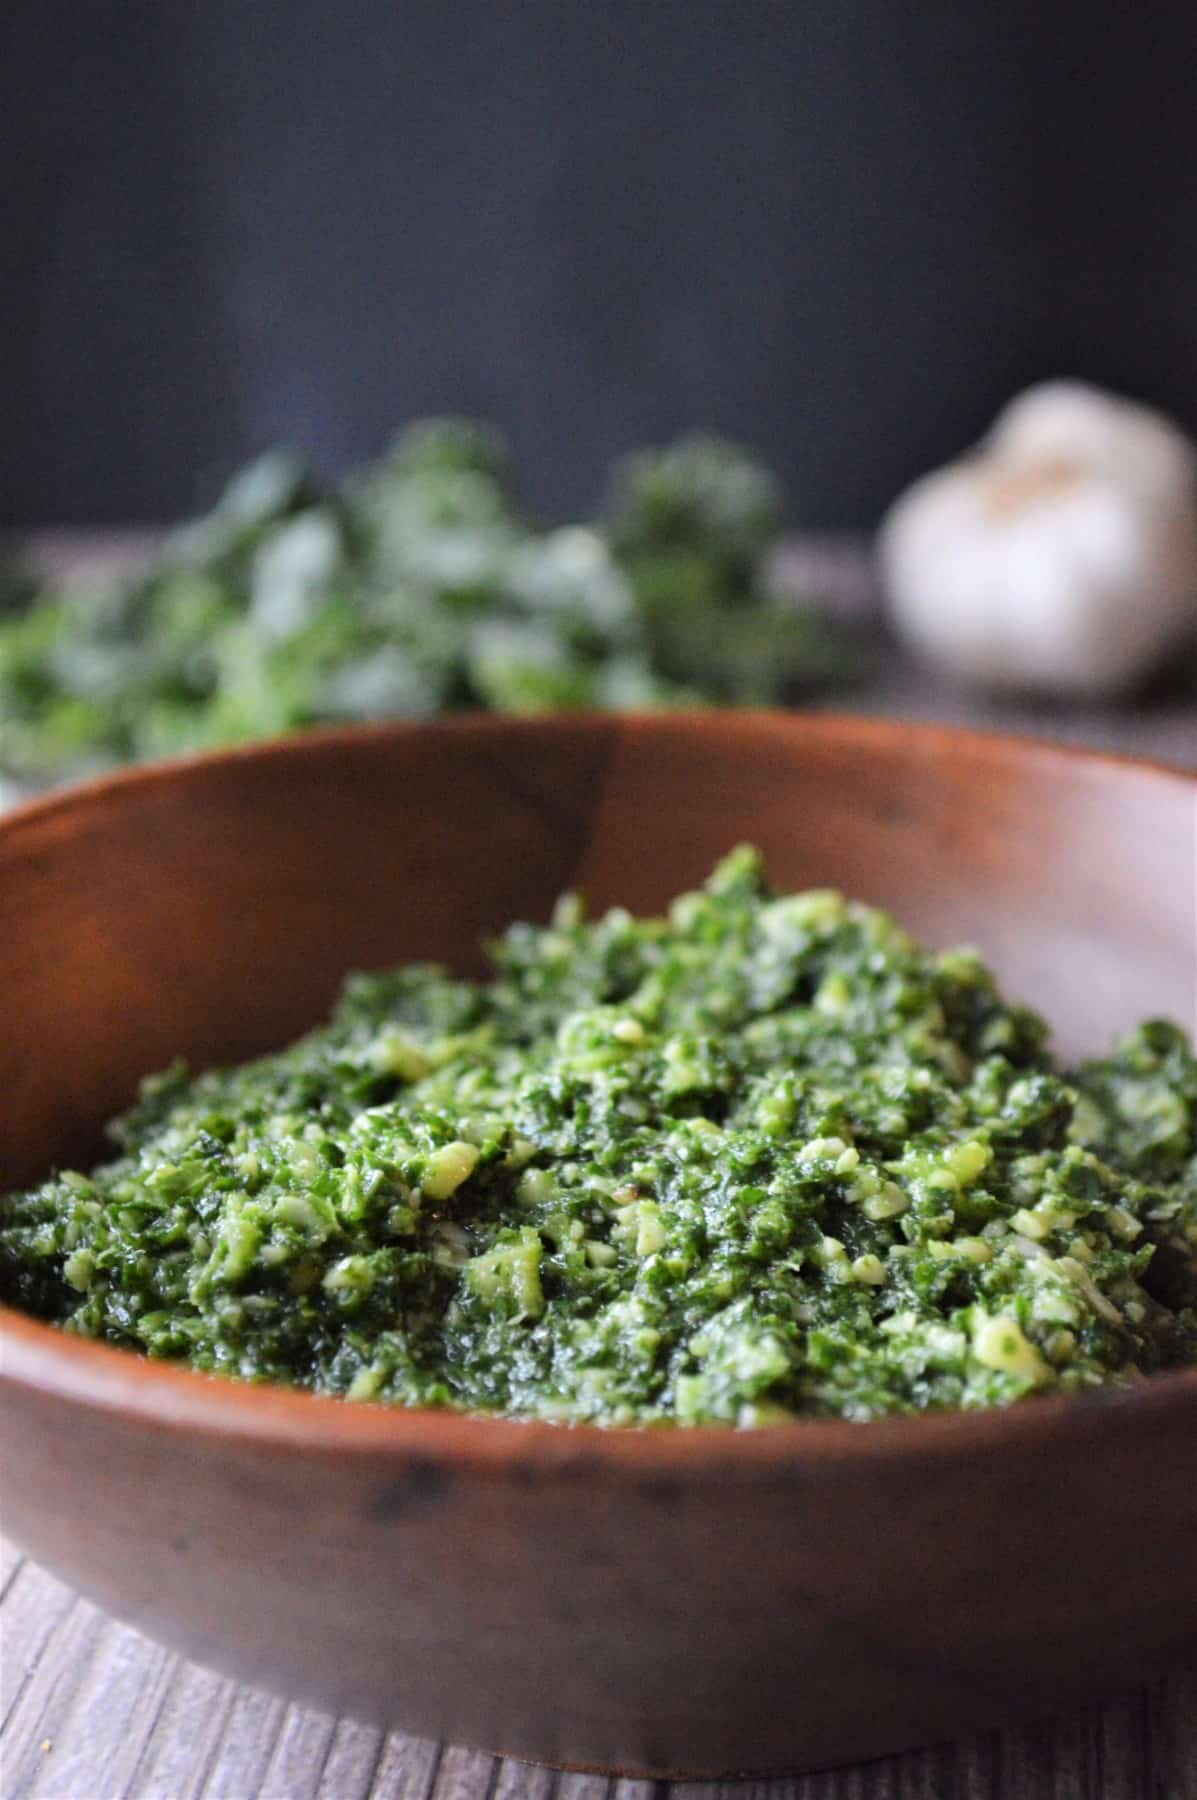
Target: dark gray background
{"x":841,"y":231}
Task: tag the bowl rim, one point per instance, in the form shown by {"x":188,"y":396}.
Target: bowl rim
{"x":875,"y":729}
{"x":42,"y":1358}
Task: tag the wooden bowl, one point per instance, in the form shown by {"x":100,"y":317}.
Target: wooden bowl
{"x":645,"y":1601}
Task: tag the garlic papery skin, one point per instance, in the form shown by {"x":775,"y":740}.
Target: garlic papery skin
{"x":1071,"y":420}
{"x":1060,"y":558}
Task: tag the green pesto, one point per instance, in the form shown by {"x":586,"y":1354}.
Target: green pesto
{"x":760,"y":1158}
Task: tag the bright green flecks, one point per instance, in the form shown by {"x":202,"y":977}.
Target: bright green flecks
{"x":758,"y":1159}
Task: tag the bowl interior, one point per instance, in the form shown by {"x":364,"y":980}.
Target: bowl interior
{"x":210,"y":909}
{"x":522,"y":1586}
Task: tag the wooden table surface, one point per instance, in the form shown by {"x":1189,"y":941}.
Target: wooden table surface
{"x":90,"y":1710}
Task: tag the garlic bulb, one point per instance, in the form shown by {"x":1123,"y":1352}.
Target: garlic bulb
{"x":1059,"y":557}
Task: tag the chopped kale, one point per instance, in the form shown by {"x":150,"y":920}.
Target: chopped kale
{"x":761,"y":1158}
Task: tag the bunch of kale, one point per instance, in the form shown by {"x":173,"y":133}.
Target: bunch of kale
{"x":416,"y":586}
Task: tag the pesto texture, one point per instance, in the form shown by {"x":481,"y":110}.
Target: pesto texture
{"x":761,"y":1158}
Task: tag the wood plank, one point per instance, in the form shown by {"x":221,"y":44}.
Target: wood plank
{"x":408,"y":1769}
{"x":112,"y":1710}
{"x":464,"y":1775}
{"x":352,"y":1761}
{"x":244,"y":1747}
{"x":583,"y":1787}
{"x":125,"y":1720}
{"x":40,"y":1722}
{"x":299,"y":1754}
{"x":523,"y":1781}
{"x":32,"y":1612}
{"x":181,"y":1745}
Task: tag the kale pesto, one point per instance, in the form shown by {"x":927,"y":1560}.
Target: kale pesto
{"x":763,"y":1157}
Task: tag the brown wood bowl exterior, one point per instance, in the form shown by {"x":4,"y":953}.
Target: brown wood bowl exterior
{"x":646,"y":1601}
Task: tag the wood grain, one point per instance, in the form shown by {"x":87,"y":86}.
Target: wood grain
{"x":92,"y":1711}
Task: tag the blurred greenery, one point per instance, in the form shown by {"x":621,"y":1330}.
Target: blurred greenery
{"x":416,"y":586}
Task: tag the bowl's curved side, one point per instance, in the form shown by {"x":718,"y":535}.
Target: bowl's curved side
{"x":684,"y":1600}
{"x":699,"y":1602}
